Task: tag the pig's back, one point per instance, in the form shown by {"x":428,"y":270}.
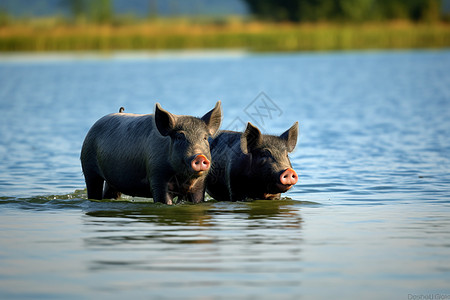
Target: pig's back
{"x":120,"y":146}
{"x":226,"y":142}
{"x":122,"y":133}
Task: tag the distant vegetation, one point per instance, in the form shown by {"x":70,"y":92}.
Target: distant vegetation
{"x":296,"y":25}
{"x":346,"y":10}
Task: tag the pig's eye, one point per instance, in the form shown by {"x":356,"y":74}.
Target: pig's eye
{"x":266,"y":153}
{"x":205,"y":137}
{"x":179,"y":136}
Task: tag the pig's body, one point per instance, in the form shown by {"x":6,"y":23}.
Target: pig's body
{"x":126,"y":161}
{"x":251,"y":165}
{"x":131,"y":154}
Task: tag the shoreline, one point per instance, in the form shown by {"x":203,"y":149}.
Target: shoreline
{"x":248,"y":37}
{"x":138,"y":55}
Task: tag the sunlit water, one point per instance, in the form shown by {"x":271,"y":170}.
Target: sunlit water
{"x":369,"y":218}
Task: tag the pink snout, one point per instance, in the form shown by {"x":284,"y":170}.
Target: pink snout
{"x":288,"y":177}
{"x":200,"y":163}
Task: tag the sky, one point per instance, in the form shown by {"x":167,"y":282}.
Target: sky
{"x":136,"y":7}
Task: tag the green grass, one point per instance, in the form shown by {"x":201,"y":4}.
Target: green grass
{"x":251,"y":36}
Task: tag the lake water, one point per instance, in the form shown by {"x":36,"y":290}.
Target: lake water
{"x":369,"y":218}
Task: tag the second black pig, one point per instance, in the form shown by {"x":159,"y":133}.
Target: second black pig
{"x":251,"y":164}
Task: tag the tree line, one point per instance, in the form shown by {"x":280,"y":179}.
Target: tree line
{"x":345,"y":10}
{"x":100,"y":11}
{"x":297,"y":11}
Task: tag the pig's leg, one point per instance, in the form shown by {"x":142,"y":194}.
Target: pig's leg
{"x":110,"y":193}
{"x":160,"y":192}
{"x":197,"y":193}
{"x":229,"y":184}
{"x":235,"y":190}
{"x":94,"y":185}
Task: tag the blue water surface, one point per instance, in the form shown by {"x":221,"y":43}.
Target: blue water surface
{"x":370,"y":216}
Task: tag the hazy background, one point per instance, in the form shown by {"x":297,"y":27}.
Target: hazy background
{"x":294,"y":10}
{"x":295,"y":25}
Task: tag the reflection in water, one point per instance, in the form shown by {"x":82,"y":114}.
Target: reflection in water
{"x":259,"y":249}
{"x":200,"y":215}
{"x":205,"y":246}
{"x":177,"y":215}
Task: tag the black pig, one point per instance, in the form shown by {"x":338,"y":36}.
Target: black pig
{"x":251,"y":165}
{"x":157,"y":155}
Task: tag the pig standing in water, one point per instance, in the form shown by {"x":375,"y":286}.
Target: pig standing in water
{"x":159,"y":156}
{"x":251,"y":165}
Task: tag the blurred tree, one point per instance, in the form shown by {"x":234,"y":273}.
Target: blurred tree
{"x":357,"y":10}
{"x":275,"y":10}
{"x":78,"y":8}
{"x":431,"y":11}
{"x":4,"y":17}
{"x":316,"y":10}
{"x":101,"y":11}
{"x":344,"y":10}
{"x":153,"y":9}
{"x":392,"y":9}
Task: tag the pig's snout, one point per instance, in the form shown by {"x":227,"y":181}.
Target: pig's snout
{"x":200,"y":163}
{"x":288,"y":177}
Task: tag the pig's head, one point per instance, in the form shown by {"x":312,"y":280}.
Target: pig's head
{"x":270,"y":168}
{"x":189,"y":153}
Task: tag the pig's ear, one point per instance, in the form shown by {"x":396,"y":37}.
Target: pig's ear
{"x":164,"y":120}
{"x":213,"y":118}
{"x":290,"y":136}
{"x":250,"y":139}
